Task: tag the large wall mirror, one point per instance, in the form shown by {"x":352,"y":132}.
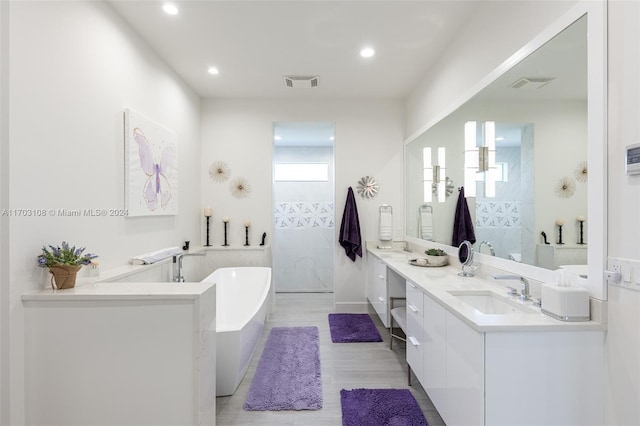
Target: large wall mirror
{"x":522,"y":148}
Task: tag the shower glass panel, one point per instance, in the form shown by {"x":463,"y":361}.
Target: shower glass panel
{"x":303,"y":197}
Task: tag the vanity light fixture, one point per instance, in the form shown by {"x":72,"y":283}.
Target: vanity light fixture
{"x":434,"y":176}
{"x":367,"y":52}
{"x":480,"y":161}
{"x":170,"y":9}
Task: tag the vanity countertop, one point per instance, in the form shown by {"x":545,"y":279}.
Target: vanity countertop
{"x":438,"y":282}
{"x":122,"y":291}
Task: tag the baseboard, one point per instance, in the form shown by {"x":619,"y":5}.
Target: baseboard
{"x":358,"y":308}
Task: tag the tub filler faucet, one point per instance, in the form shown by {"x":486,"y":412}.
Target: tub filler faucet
{"x":177,"y":265}
{"x":524,"y":294}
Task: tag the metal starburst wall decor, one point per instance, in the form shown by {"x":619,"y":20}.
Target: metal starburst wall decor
{"x":240,"y":187}
{"x":368,"y":187}
{"x":566,"y":187}
{"x":581,"y":172}
{"x":219,"y":171}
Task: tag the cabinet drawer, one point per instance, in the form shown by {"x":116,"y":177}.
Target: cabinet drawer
{"x":414,"y":299}
{"x":415,"y":344}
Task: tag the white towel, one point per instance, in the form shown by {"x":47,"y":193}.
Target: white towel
{"x":426,"y":225}
{"x":156,"y":256}
{"x":386,"y":226}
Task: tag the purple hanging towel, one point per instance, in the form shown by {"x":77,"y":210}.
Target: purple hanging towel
{"x":350,"y":228}
{"x":462,"y":224}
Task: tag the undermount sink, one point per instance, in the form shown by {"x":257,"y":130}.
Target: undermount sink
{"x":488,"y":302}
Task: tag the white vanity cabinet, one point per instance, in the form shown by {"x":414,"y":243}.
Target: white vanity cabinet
{"x":502,"y":377}
{"x":415,"y":330}
{"x":381,"y":284}
{"x":377,"y":287}
{"x":465,"y":373}
{"x":435,"y":352}
{"x":447,"y":357}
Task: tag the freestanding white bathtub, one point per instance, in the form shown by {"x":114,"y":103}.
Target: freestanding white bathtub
{"x":242,"y":303}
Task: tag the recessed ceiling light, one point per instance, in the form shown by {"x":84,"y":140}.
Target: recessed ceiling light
{"x":213,"y":71}
{"x":331,"y":138}
{"x":367,"y":52}
{"x":278,"y":138}
{"x":170,"y":9}
{"x":499,"y":138}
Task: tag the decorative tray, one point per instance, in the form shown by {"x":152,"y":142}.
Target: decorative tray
{"x":414,"y":262}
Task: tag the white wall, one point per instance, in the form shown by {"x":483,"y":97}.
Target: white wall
{"x":623,"y":338}
{"x":74,"y":67}
{"x":368,"y":141}
{"x":4,"y":221}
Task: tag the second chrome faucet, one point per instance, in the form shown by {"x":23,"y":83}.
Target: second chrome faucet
{"x":524,"y":293}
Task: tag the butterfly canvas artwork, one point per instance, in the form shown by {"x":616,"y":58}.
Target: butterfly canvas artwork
{"x":151,"y":167}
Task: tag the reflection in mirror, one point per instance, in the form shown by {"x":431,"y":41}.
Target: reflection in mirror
{"x":533,"y":122}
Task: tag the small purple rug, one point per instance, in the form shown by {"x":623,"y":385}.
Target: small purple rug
{"x":352,"y":328}
{"x":288,"y":374}
{"x":389,"y":407}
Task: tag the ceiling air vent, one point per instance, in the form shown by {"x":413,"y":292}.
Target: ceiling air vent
{"x":301,"y":81}
{"x":531,"y":82}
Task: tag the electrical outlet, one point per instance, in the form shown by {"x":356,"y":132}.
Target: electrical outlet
{"x":613,"y":274}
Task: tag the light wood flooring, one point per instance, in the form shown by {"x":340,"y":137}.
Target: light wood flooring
{"x":344,"y":366}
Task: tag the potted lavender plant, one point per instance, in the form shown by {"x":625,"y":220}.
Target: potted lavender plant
{"x":64,"y":262}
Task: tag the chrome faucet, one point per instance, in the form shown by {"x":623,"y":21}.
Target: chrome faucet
{"x":524,"y":294}
{"x":486,"y":243}
{"x":177,"y":265}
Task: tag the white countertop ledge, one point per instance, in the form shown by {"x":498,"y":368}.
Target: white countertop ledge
{"x":122,"y":291}
{"x":438,"y":281}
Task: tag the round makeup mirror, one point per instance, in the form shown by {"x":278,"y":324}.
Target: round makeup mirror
{"x":465,"y":256}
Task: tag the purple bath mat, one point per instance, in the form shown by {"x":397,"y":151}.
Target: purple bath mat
{"x":288,"y":374}
{"x":351,"y":328}
{"x":392,"y":407}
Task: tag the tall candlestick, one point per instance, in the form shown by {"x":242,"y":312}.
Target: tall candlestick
{"x":207,"y":244}
{"x":560,"y":235}
{"x":246,"y":232}
{"x":225,"y":231}
{"x":581,"y":220}
{"x":559,"y":223}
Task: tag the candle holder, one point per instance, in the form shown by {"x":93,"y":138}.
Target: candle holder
{"x":208,"y":219}
{"x":246,"y":236}
{"x":225,"y":235}
{"x":560,"y":235}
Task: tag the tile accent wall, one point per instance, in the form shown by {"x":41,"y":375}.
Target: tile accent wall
{"x":498,"y":214}
{"x":304,"y":214}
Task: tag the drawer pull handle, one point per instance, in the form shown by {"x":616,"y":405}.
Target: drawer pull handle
{"x":413,"y":308}
{"x":414,"y":341}
{"x":411,"y":284}
{"x":380,"y":298}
